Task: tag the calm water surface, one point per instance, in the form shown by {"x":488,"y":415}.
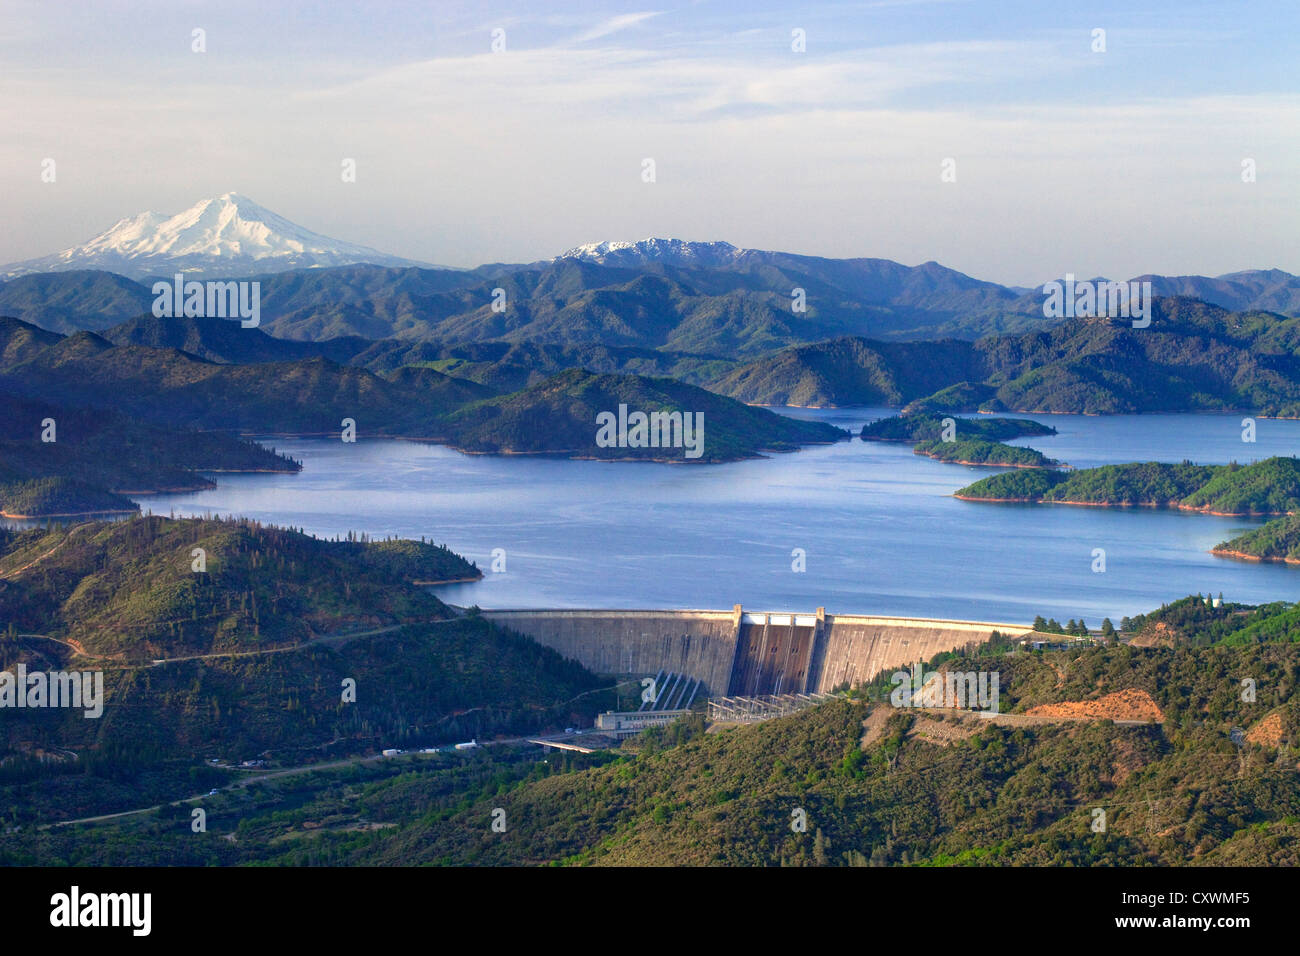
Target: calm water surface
{"x":880,"y":529}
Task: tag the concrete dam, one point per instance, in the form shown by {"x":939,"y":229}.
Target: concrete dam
{"x":740,"y":653}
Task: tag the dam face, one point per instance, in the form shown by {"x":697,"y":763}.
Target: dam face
{"x":773,"y":655}
{"x":700,"y":644}
{"x":736,"y":653}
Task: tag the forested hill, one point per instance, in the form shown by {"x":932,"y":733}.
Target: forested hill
{"x":669,"y":294}
{"x":1206,"y":776}
{"x":1276,"y":540}
{"x":977,"y":452}
{"x":171,"y":387}
{"x":1192,"y":357}
{"x":852,"y":371}
{"x":224,"y":641}
{"x":129,"y":590}
{"x":742,"y":305}
{"x":920,"y":427}
{"x":56,"y":460}
{"x":1269,"y":487}
{"x":1211,"y":781}
{"x":560,"y":415}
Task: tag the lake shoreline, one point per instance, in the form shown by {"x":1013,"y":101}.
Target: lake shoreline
{"x":987,"y":464}
{"x":1170,"y":506}
{"x":71,"y":514}
{"x":1261,"y":559}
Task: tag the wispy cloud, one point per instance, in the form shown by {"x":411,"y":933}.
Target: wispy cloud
{"x":628,"y":80}
{"x":613,"y":25}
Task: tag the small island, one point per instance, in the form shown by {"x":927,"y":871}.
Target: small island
{"x":978,"y":452}
{"x":926,"y":427}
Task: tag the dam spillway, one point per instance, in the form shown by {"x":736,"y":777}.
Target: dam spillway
{"x":746,"y":653}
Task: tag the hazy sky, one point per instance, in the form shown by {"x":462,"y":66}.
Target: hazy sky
{"x":1066,"y":160}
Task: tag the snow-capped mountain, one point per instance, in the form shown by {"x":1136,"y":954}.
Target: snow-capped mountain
{"x":229,"y":235}
{"x":673,"y":251}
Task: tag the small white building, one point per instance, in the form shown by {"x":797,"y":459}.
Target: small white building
{"x":627,"y":723}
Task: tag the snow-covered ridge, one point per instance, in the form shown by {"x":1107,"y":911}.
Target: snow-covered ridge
{"x":677,"y":251}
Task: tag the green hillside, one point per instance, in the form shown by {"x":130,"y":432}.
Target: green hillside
{"x":1267,"y":487}
{"x":441,"y":393}
{"x":732,"y":329}
{"x":1276,"y":540}
{"x":80,"y":300}
{"x":962,"y":397}
{"x":1193,"y":356}
{"x":738,"y":302}
{"x":850,"y":371}
{"x":20,"y":341}
{"x":415,"y":686}
{"x":226,"y":341}
{"x":512,"y":366}
{"x":1194,"y":622}
{"x":248,"y":659}
{"x":127,"y":590}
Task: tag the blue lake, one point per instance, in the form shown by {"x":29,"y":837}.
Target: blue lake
{"x":878,"y":525}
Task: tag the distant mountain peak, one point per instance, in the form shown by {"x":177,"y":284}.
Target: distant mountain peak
{"x":654,"y":249}
{"x":228,"y":235}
